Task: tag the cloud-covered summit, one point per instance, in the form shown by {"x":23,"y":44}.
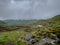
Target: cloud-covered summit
{"x":28,"y":9}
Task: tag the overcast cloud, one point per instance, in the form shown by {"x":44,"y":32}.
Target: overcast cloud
{"x":29,"y":9}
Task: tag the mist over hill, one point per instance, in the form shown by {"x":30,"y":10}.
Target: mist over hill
{"x":16,"y":22}
{"x":20,"y":31}
{"x":50,"y":22}
{"x":29,"y":22}
{"x":29,"y":9}
{"x":21,"y":22}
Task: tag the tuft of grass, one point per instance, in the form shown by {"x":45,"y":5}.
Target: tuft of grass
{"x":12,"y":36}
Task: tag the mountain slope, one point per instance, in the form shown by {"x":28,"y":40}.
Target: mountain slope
{"x":2,"y":23}
{"x":18,"y":22}
{"x":50,"y":22}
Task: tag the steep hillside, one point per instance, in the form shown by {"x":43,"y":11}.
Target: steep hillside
{"x":52,"y":24}
{"x":44,"y":32}
{"x":49,"y":22}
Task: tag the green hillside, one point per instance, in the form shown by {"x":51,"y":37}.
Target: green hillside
{"x":31,"y":34}
{"x":2,"y":23}
{"x":49,"y":22}
{"x":18,"y":22}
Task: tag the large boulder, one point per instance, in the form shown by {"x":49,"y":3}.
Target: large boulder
{"x":28,"y":37}
{"x":32,"y":41}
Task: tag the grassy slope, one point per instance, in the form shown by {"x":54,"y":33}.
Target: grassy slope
{"x":12,"y":36}
{"x":15,"y":35}
{"x":49,"y":22}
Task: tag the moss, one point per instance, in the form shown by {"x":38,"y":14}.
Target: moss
{"x":38,"y":38}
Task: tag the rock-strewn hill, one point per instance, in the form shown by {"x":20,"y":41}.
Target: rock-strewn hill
{"x":49,"y":22}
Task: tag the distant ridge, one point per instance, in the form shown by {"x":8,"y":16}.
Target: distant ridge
{"x":51,"y":21}
{"x":18,"y":22}
{"x":2,"y":23}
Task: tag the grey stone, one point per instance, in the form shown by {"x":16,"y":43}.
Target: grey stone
{"x":28,"y":37}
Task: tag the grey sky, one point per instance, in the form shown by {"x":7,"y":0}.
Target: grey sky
{"x":28,"y":9}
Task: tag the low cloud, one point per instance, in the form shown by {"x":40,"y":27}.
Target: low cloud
{"x":29,"y":9}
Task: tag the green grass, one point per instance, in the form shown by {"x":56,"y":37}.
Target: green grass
{"x":11,"y":36}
